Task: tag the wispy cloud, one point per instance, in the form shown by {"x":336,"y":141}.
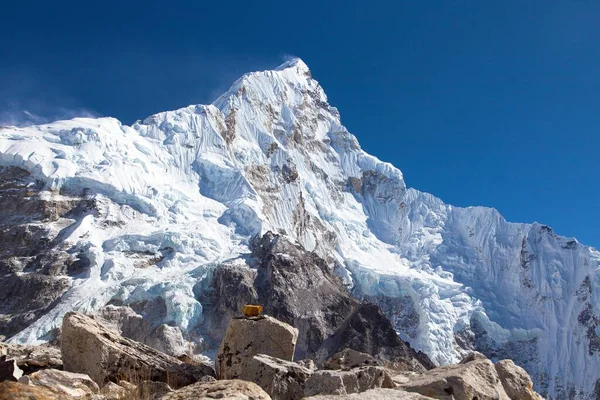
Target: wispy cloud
{"x":26,"y":99}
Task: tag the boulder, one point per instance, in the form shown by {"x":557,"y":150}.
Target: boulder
{"x":63,"y":382}
{"x":373,"y":394}
{"x":247,"y":337}
{"x":9,"y":370}
{"x":112,"y":391}
{"x":349,"y":358}
{"x":19,"y":391}
{"x":141,"y":328}
{"x":32,"y":358}
{"x":103,"y":354}
{"x":225,"y":389}
{"x":282,"y":380}
{"x":339,"y":382}
{"x":474,"y":379}
{"x":516,"y":381}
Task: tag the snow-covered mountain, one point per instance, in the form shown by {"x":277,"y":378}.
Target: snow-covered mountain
{"x":94,"y":211}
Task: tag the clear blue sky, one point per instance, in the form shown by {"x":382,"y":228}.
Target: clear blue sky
{"x":490,"y":103}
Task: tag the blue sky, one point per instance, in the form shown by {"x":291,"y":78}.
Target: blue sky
{"x":478,"y":102}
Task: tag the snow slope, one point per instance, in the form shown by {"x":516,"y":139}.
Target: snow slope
{"x":195,"y":184}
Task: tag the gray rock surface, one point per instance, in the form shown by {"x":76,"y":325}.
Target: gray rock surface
{"x":151,"y":390}
{"x":356,"y":380}
{"x":103,"y":354}
{"x":516,"y":381}
{"x":34,"y":265}
{"x":247,"y":337}
{"x":145,"y":329}
{"x":32,"y":358}
{"x":19,"y":391}
{"x":224,"y":389}
{"x":112,"y":391}
{"x":367,"y":330}
{"x":475,"y":379}
{"x":63,"y":382}
{"x":349,"y":358}
{"x":282,"y":380}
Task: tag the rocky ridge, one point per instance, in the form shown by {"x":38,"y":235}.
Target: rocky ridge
{"x":100,"y":364}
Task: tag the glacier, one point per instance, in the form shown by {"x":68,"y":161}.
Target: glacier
{"x":181,"y":192}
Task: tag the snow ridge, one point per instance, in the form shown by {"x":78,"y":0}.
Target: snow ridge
{"x":196,"y":184}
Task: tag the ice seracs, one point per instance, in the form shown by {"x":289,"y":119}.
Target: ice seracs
{"x":180,"y":192}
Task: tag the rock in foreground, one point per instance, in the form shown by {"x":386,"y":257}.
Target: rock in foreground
{"x":373,"y":394}
{"x":20,"y":391}
{"x":283,"y":380}
{"x":516,"y":381}
{"x":63,"y":382}
{"x":247,"y":337}
{"x":89,"y":347}
{"x":225,"y":389}
{"x":475,"y":379}
{"x":340,"y":382}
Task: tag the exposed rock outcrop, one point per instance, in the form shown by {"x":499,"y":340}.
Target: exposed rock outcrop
{"x":34,"y":264}
{"x":226,"y":389}
{"x":247,"y":337}
{"x":369,"y":331}
{"x":89,"y":347}
{"x":298,"y":287}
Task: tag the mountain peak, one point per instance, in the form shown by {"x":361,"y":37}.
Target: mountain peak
{"x":295,"y":62}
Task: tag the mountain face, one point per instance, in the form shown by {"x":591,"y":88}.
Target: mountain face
{"x":93,"y":212}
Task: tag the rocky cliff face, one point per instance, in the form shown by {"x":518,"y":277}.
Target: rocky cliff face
{"x":102,"y":213}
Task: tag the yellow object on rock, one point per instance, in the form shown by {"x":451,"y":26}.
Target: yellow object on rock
{"x":251,"y":310}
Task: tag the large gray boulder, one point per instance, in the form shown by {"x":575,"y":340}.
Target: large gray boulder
{"x":225,"y":389}
{"x":63,"y":382}
{"x":474,"y":379}
{"x":516,"y":381}
{"x":356,"y":380}
{"x":247,"y":337}
{"x":89,"y":347}
{"x":143,"y":327}
{"x":283,"y":380}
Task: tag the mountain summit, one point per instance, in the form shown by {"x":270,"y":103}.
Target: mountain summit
{"x":94,"y":212}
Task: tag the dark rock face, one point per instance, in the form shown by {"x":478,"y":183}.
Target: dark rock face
{"x":33,"y":265}
{"x":299,"y":288}
{"x":367,"y":330}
